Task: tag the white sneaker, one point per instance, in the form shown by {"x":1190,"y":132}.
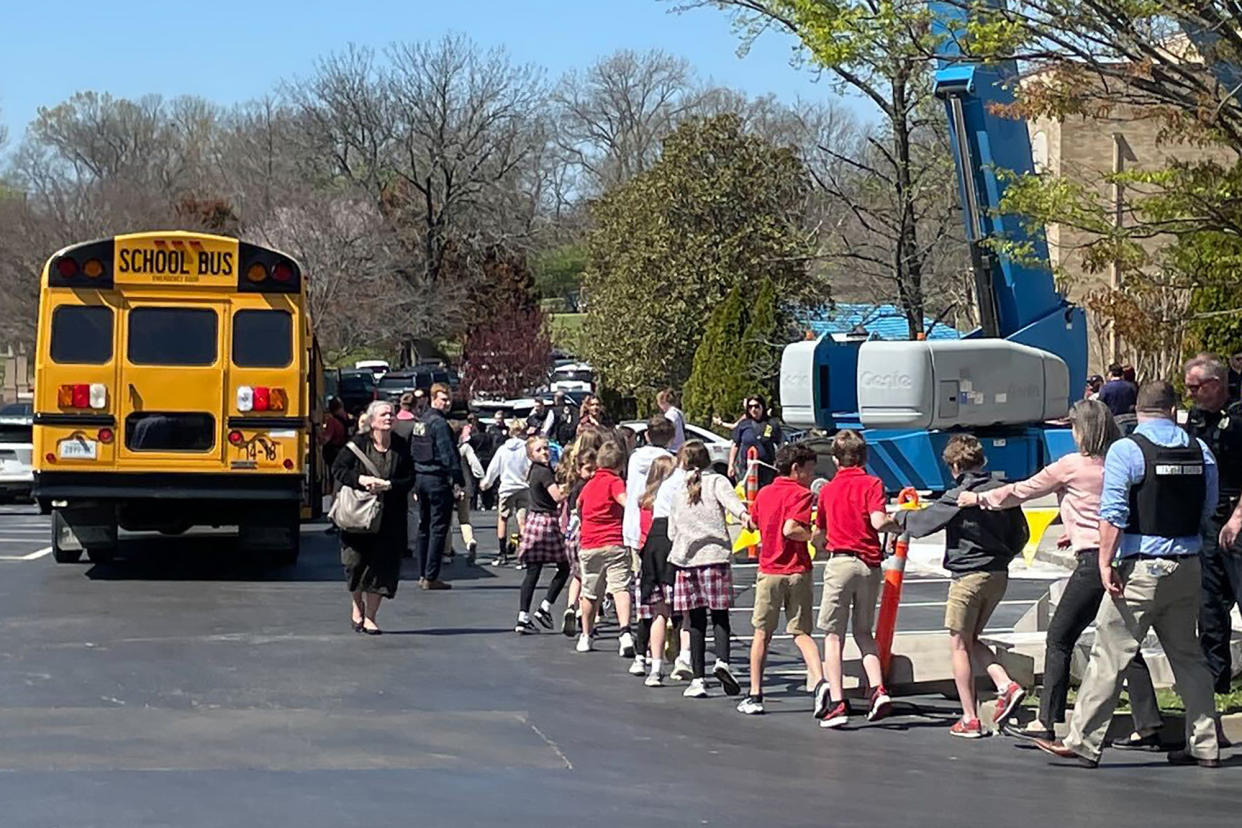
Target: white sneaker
{"x":681,"y":671}
{"x":626,"y":648}
{"x":654,"y":680}
{"x":639,"y":667}
{"x":696,"y":690}
{"x":751,"y":706}
{"x":584,"y":644}
{"x":726,"y":678}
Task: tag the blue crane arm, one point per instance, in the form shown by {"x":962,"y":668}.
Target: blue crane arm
{"x":1017,"y":298}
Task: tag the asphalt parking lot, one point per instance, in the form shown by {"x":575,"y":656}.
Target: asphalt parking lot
{"x":184,"y":685}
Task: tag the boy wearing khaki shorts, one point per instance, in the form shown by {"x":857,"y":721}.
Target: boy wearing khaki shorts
{"x":848,"y":520}
{"x":782,"y":513}
{"x":979,"y":546}
{"x":604,"y":563}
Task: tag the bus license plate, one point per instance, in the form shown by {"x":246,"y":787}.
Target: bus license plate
{"x":77,"y":448}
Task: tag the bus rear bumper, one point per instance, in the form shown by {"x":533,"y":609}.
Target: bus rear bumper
{"x":127,"y":486}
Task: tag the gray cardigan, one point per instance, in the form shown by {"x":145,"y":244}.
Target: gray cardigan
{"x":697,"y":530}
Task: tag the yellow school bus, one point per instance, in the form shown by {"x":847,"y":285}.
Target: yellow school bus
{"x":176,"y":383}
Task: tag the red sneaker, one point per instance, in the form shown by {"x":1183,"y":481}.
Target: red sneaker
{"x":967,"y":730}
{"x":1007,"y":701}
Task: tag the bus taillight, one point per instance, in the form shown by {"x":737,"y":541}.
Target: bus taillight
{"x":82,"y":395}
{"x":261,"y":398}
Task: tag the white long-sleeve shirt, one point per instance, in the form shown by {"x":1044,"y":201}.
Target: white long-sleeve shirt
{"x":510,"y":466}
{"x":635,"y":483}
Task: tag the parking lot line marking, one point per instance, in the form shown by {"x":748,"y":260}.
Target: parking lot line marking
{"x":32,"y":556}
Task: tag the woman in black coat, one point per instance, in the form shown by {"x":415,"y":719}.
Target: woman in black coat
{"x":373,"y":561}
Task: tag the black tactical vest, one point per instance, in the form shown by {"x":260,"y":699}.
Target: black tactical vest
{"x":1222,"y":433}
{"x":1168,"y":502}
{"x":422,"y":441}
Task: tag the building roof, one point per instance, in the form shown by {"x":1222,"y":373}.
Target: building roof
{"x":880,"y":322}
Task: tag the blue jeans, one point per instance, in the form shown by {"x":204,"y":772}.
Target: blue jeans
{"x":435,"y":515}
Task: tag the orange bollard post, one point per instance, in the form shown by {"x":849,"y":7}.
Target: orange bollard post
{"x":890,"y":599}
{"x":752,"y":489}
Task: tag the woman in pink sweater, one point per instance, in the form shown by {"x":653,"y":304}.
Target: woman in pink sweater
{"x":1077,"y":480}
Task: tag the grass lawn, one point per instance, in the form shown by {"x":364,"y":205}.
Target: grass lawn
{"x":1168,"y":700}
{"x":565,"y":328}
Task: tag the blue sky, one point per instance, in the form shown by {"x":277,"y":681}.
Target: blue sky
{"x":228,"y":51}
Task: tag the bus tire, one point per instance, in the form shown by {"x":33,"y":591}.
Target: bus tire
{"x":45,"y":506}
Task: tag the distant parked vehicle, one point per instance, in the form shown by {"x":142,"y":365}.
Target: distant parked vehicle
{"x":396,"y":383}
{"x":377,"y":367}
{"x":356,"y":388}
{"x":573,"y":376}
{"x":16,"y":450}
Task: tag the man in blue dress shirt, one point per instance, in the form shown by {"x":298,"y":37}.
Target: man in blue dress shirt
{"x":1159,"y":486}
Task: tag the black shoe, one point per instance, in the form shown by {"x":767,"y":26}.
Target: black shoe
{"x":1181,"y":757}
{"x":1149,"y":742}
{"x":525,"y":627}
{"x":543,"y":617}
{"x":569,"y":624}
{"x":472,"y":552}
{"x":1030,"y":735}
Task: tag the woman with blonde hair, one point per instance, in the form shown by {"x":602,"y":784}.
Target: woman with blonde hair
{"x":1077,"y":479}
{"x":375,"y":460}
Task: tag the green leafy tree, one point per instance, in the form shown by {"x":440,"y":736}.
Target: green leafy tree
{"x":719,"y":377}
{"x":719,"y":209}
{"x":881,"y":52}
{"x":763,"y":341}
{"x":558,"y":273}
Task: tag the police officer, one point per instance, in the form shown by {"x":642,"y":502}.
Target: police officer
{"x":1159,"y":486}
{"x":438,"y":482}
{"x":1219,"y":425}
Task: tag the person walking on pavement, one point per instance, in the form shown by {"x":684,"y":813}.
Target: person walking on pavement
{"x":1219,"y":425}
{"x":496,"y":433}
{"x":758,"y":431}
{"x":1160,"y":484}
{"x":700,"y":555}
{"x":438,"y":481}
{"x":566,"y":413}
{"x":542,"y":540}
{"x":1116,"y":393}
{"x":667,"y":401}
{"x":510,"y":466}
{"x":472,"y":472}
{"x":978,"y":549}
{"x":782,"y":514}
{"x":403,"y":427}
{"x":1077,"y":480}
{"x":375,"y":461}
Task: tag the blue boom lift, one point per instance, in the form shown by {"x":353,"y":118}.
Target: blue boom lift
{"x":1006,"y":381}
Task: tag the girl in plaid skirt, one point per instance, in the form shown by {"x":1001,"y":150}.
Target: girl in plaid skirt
{"x":542,"y":541}
{"x":701,"y":553}
{"x":652,"y":589}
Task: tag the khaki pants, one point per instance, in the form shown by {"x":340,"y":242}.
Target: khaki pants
{"x":1163,"y":595}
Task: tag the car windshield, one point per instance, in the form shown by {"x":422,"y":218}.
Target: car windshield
{"x":390,"y":382}
{"x":572,"y":376}
{"x":355,"y":382}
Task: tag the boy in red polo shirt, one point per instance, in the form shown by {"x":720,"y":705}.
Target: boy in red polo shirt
{"x":782,"y":513}
{"x":849,"y":519}
{"x":603,"y":560}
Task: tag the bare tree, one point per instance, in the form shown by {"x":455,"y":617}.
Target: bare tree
{"x":614,"y":115}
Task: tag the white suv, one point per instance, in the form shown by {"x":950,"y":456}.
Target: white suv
{"x":16,"y":450}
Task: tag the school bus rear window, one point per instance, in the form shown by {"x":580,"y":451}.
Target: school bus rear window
{"x":262,"y":338}
{"x":81,"y":335}
{"x":172,"y":336}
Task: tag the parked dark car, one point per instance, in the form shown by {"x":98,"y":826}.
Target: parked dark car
{"x":356,"y":388}
{"x":396,"y":383}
